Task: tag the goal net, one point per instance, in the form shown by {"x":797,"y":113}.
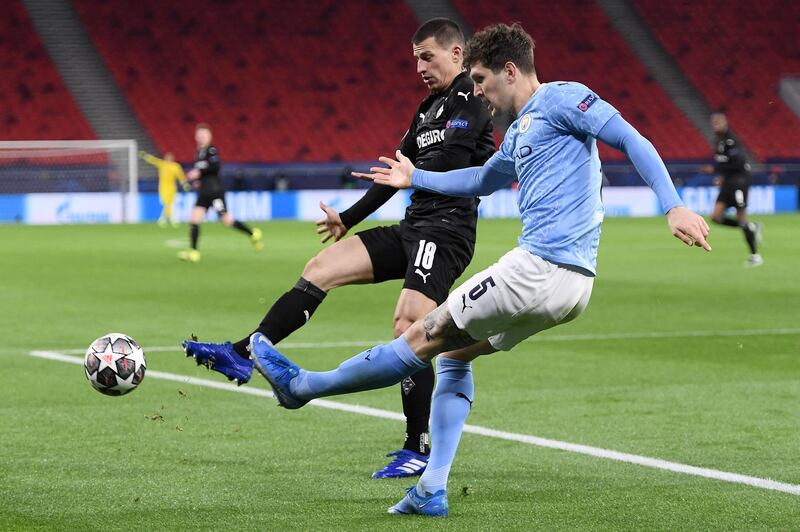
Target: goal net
{"x":69,"y":181}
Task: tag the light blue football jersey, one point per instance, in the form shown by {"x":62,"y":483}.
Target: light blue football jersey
{"x":554,"y":151}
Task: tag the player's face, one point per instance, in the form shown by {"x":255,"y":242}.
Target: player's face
{"x":438,"y":66}
{"x":493,"y":89}
{"x":202,"y":137}
{"x":169,"y":156}
{"x":719,"y":123}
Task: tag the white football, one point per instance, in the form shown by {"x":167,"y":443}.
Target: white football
{"x":114,"y":364}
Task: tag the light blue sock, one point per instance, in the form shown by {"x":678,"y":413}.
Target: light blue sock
{"x":452,"y":401}
{"x":378,"y":367}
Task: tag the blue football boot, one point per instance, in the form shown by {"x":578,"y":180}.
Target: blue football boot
{"x":433,"y":505}
{"x":221,"y":358}
{"x":277,"y":369}
{"x":406,"y":464}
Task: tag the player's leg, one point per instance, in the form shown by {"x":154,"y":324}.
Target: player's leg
{"x":718,"y":214}
{"x":345,"y":262}
{"x":228,"y":220}
{"x":440,"y":331}
{"x":369,"y":256}
{"x":167,"y":201}
{"x":554,"y":295}
{"x":416,"y":391}
{"x":752,"y":231}
{"x":166,"y":207}
{"x":198,"y":213}
{"x":378,"y":367}
{"x":436,"y":258}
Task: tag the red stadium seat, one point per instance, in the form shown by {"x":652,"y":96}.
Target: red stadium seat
{"x":735,"y":54}
{"x":277,"y":82}
{"x":576,"y":42}
{"x":34,"y":101}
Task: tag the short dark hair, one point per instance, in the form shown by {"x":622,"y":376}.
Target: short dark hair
{"x":202,"y":125}
{"x":444,"y":30}
{"x":498,"y":44}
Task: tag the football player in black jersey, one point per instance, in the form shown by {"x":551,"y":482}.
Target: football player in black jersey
{"x":429,"y":249}
{"x":204,"y":176}
{"x":731,"y":166}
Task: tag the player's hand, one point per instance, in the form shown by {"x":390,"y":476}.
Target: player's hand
{"x":142,"y":154}
{"x":193,"y":174}
{"x":398,"y":175}
{"x":186,"y":186}
{"x":331,"y":225}
{"x":688,"y":227}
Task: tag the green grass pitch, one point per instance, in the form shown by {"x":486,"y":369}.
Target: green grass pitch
{"x":681,"y":355}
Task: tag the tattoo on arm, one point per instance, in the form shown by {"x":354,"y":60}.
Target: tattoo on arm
{"x":440,"y":327}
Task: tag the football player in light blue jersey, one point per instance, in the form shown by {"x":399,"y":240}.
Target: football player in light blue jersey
{"x":550,"y":148}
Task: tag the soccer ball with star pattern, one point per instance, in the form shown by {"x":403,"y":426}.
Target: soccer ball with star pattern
{"x":114,"y":364}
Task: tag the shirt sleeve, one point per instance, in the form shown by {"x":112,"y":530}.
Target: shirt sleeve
{"x":498,"y":172}
{"x":407,"y":145}
{"x":577,"y":109}
{"x":619,"y":134}
{"x":465,"y":124}
{"x":152,"y":159}
{"x":370,"y":202}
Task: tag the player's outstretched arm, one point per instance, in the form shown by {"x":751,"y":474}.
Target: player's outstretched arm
{"x":687,"y":226}
{"x":497,"y":173}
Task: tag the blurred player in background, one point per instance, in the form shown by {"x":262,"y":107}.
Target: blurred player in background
{"x":170,"y":174}
{"x":733,"y":170}
{"x":205,"y":177}
{"x":551,"y":148}
{"x":429,"y":249}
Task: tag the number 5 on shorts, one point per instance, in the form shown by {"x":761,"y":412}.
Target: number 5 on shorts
{"x":481,"y":288}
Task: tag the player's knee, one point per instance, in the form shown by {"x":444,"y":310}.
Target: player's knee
{"x":401,"y":324}
{"x":317,"y":272}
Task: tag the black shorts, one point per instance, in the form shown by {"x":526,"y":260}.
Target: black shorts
{"x":429,"y":259}
{"x":733,"y":193}
{"x":212,"y":199}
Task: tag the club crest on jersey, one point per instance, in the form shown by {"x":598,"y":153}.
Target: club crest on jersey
{"x":457,"y":123}
{"x":525,"y":123}
{"x":587,"y":102}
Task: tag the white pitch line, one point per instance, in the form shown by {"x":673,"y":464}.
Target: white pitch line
{"x":646,"y":461}
{"x":546,"y":338}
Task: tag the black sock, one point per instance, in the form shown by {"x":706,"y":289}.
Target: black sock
{"x":194,"y":234}
{"x":750,"y":236}
{"x":290,"y":312}
{"x":417,"y":391}
{"x":730,"y":222}
{"x":242,"y":227}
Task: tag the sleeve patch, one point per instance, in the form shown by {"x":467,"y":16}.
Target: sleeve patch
{"x":457,"y":123}
{"x":587,"y":102}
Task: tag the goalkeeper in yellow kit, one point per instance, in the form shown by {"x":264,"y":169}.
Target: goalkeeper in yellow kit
{"x":169,"y":173}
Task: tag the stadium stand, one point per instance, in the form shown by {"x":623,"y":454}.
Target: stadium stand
{"x":576,"y":42}
{"x":735,"y":54}
{"x":334,"y":88}
{"x":34,"y":102}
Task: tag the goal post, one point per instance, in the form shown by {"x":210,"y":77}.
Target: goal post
{"x":100,"y":172}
